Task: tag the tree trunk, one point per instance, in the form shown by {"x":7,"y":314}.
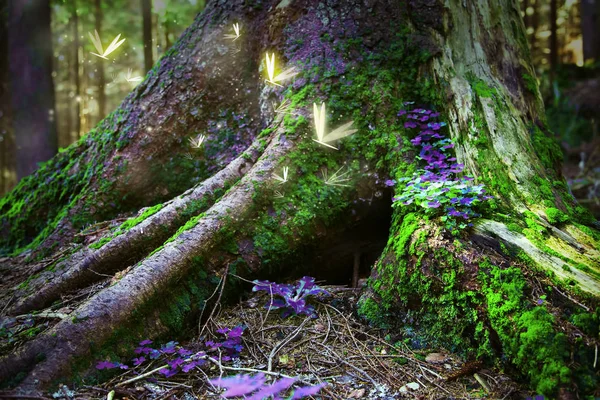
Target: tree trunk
{"x":7,"y":151}
{"x":553,"y":40}
{"x":147,"y":34}
{"x":590,"y":20}
{"x":32,"y":90}
{"x":477,"y":293}
{"x":77,"y":108}
{"x":100,"y":65}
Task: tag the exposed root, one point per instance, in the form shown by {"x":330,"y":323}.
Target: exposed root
{"x":587,"y":282}
{"x":132,"y":245}
{"x":97,"y":318}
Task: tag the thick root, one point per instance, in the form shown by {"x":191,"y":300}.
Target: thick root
{"x":96,"y":320}
{"x":89,"y":266}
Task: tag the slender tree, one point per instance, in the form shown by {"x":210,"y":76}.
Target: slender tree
{"x":7,"y":159}
{"x":75,"y":65}
{"x":520,"y":287}
{"x":147,"y":33}
{"x":553,"y":39}
{"x":32,"y":89}
{"x":100,"y":64}
{"x":590,"y":23}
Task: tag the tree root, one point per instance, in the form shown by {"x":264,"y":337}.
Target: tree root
{"x":132,"y":245}
{"x":491,"y":229}
{"x":98,"y":317}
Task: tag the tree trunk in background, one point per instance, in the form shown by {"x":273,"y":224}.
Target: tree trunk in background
{"x":526,"y":18}
{"x":75,"y":55}
{"x":7,"y":150}
{"x":590,"y":28}
{"x":167,"y":40}
{"x":100,"y":63}
{"x":535,"y":23}
{"x":32,"y":90}
{"x":553,"y":40}
{"x":520,"y":288}
{"x":147,"y":34}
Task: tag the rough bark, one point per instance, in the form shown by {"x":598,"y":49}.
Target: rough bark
{"x":467,"y":59}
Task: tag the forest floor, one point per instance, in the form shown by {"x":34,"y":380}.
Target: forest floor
{"x":355,"y":360}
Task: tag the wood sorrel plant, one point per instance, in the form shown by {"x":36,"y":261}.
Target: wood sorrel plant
{"x":293,"y":298}
{"x":437,"y":186}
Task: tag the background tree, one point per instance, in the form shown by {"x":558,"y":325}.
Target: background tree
{"x":477,"y":291}
{"x":7,"y":151}
{"x":147,"y":33}
{"x":32,"y":90}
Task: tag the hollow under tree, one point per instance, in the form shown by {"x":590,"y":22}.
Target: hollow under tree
{"x":519,"y":287}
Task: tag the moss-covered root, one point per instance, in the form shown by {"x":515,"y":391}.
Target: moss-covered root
{"x":469,"y":298}
{"x":578,"y":265}
{"x":152,"y":280}
{"x":134,"y":239}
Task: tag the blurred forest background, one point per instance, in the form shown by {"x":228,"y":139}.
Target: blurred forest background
{"x":81,"y":89}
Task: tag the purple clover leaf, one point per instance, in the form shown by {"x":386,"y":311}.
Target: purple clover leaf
{"x":139,"y":360}
{"x":168,"y":372}
{"x":106,"y":365}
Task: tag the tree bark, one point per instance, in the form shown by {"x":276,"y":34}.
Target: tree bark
{"x":477,"y":293}
{"x":32,"y":90}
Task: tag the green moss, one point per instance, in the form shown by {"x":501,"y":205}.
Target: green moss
{"x":530,"y":83}
{"x":481,"y":88}
{"x":527,"y":333}
{"x":556,"y":216}
{"x":546,"y":147}
{"x":514,"y":227}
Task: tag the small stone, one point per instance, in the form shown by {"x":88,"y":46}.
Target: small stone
{"x":357,"y":394}
{"x":435,"y":358}
{"x":413,"y":385}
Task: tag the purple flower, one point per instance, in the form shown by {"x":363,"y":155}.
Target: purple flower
{"x":402,"y":112}
{"x":434,"y":204}
{"x":145,"y":342}
{"x":390,"y":182}
{"x":410,"y":124}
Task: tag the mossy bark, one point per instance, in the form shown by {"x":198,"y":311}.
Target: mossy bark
{"x":363,"y":59}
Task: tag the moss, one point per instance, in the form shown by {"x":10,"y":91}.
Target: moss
{"x":556,"y":216}
{"x":514,"y":227}
{"x":530,"y":83}
{"x":481,"y":88}
{"x":546,"y":147}
{"x":527,"y":333}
